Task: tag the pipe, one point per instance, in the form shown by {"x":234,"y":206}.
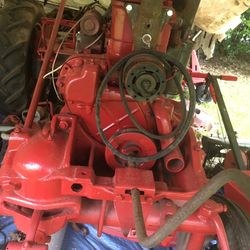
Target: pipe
{"x":196,"y":241}
{"x":34,"y":224}
{"x":174,"y":161}
{"x":102,"y":218}
{"x":40,"y":80}
{"x":235,"y":175}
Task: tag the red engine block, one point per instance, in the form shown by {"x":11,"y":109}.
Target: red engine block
{"x":62,"y":172}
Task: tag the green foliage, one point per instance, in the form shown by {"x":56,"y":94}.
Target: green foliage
{"x":237,"y":42}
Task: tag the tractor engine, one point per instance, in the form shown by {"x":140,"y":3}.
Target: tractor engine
{"x":121,"y":153}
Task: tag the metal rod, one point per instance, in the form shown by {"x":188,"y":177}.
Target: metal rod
{"x":35,"y":221}
{"x":40,"y":80}
{"x":196,"y":241}
{"x":101,"y":218}
{"x":219,"y":180}
{"x":227,"y":122}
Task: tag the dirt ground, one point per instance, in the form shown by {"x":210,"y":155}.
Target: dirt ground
{"x":236,"y":94}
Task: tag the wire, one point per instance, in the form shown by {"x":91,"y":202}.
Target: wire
{"x":95,"y":41}
{"x":188,"y":121}
{"x":53,"y":70}
{"x":56,"y":56}
{"x":59,"y":67}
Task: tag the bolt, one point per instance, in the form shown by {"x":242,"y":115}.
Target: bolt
{"x":46,"y":130}
{"x":224,"y":208}
{"x":197,"y":146}
{"x":17,"y":130}
{"x":61,"y":85}
{"x":78,"y":62}
{"x":80,"y":105}
{"x":63,"y":125}
{"x":129,"y":7}
{"x":9,"y":187}
{"x":17,"y":185}
{"x":133,"y":232}
{"x":147,"y":38}
{"x":149,"y":199}
{"x":170,"y":12}
{"x":119,"y":197}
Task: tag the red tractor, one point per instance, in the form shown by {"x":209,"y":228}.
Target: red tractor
{"x":108,"y":139}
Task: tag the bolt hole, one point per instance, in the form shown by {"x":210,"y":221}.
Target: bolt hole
{"x":148,"y":25}
{"x":18,"y":186}
{"x":76,"y":187}
{"x":82,"y":173}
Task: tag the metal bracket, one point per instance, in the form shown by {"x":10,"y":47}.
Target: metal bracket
{"x":148,"y":24}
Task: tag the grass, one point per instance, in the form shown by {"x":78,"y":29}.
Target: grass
{"x":236,"y":96}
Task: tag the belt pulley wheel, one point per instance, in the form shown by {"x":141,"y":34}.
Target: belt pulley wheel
{"x":145,"y":78}
{"x":131,"y":144}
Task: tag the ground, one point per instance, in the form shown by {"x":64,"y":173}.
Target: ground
{"x":236,"y":94}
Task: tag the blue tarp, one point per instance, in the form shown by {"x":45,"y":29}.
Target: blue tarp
{"x":6,"y":227}
{"x":91,"y":241}
{"x":77,"y":241}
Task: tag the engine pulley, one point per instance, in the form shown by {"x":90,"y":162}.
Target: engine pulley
{"x":133,"y":144}
{"x":144,"y":77}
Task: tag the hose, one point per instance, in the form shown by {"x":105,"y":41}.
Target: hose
{"x":183,"y":128}
{"x":219,"y":180}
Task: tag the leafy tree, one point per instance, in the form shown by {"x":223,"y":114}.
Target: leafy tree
{"x":237,"y":41}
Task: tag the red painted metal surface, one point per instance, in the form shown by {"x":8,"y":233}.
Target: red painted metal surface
{"x":196,"y":69}
{"x":46,"y":32}
{"x":229,"y":161}
{"x":47,"y":57}
{"x":131,"y":143}
{"x":61,"y":171}
{"x":199,"y":77}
